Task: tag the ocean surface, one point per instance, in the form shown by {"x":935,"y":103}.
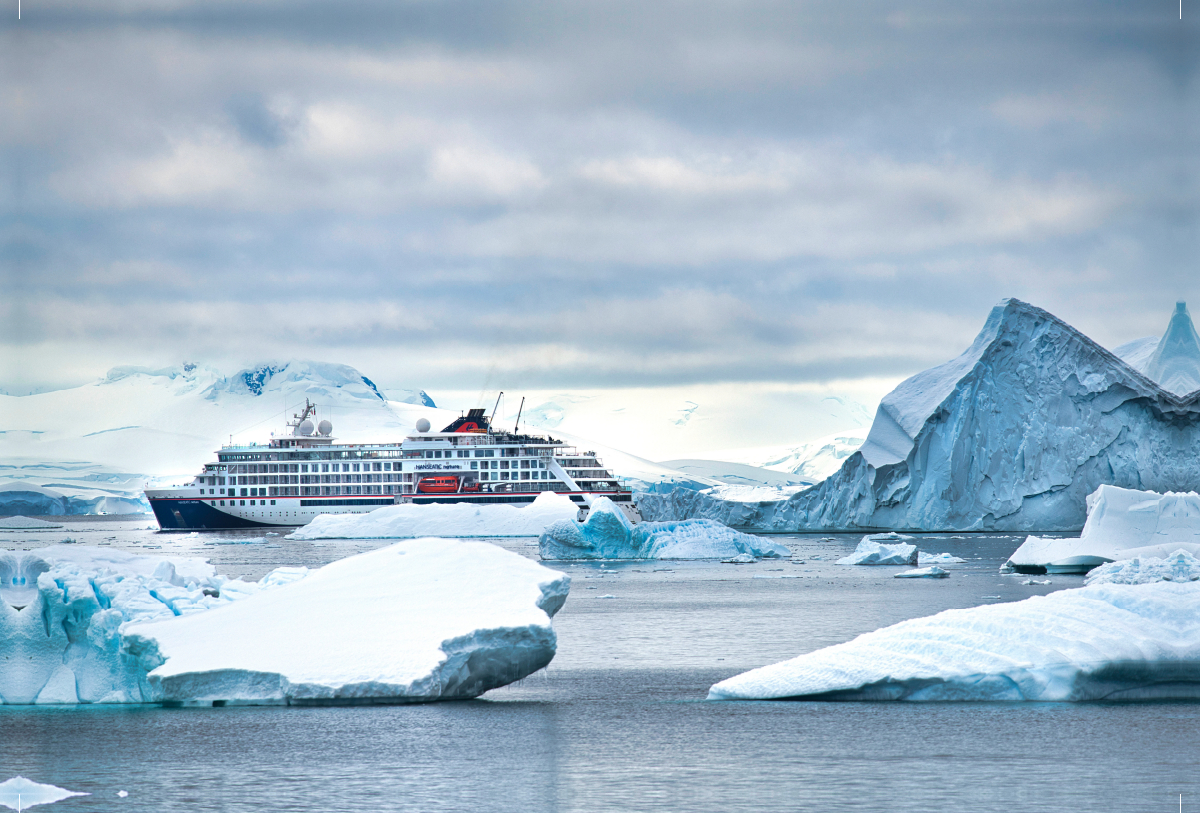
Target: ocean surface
{"x":619,"y":720}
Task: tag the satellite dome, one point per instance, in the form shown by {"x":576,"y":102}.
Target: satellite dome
{"x":422,"y":424}
{"x":325,"y":428}
{"x":305,"y":427}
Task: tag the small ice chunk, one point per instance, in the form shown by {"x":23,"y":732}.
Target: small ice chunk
{"x":740,"y":559}
{"x":938,"y":559}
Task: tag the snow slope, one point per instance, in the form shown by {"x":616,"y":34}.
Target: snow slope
{"x":1010,"y":436}
{"x":1101,"y":642}
{"x":809,"y":462}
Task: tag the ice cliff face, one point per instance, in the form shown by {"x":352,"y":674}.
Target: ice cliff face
{"x":1010,"y":436}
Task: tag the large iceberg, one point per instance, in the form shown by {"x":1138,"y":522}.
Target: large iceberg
{"x":1122,"y":523}
{"x":1100,"y":642}
{"x":608,"y":534}
{"x":449,"y":520}
{"x":1010,"y":436}
{"x":420,"y":620}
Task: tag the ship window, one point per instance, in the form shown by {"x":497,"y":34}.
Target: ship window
{"x":377,"y":467}
{"x":243,"y":502}
{"x":272,"y":502}
{"x":324,"y":467}
{"x":504,"y":465}
{"x":474,"y":465}
{"x":222,"y":502}
{"x":387,"y":466}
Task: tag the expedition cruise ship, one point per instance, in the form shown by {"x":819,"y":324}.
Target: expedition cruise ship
{"x":305,"y":473}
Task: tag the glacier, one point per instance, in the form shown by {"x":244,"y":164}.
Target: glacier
{"x":1121,"y":524}
{"x":454,"y":520}
{"x":1011,"y":436}
{"x":608,"y":534}
{"x":421,"y":620}
{"x":1105,"y":641}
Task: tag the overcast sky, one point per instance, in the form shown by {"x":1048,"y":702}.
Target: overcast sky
{"x":555,"y":195}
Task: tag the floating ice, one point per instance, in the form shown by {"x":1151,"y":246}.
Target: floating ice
{"x":19,"y":523}
{"x":608,"y":534}
{"x":1101,"y":642}
{"x":19,"y":793}
{"x":931,"y":572}
{"x":1180,"y":566}
{"x":740,"y":559}
{"x":938,"y":559}
{"x":882,"y":549}
{"x":1122,"y":524}
{"x":423,"y":619}
{"x":1010,"y":436}
{"x":450,"y":520}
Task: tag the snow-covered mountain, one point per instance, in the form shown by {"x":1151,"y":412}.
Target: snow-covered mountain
{"x":94,"y":447}
{"x":808,"y":462}
{"x":1012,"y":436}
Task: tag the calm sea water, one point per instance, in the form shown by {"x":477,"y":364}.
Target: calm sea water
{"x":619,"y":720}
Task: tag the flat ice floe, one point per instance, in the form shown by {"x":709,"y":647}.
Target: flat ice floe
{"x":416,"y":621}
{"x":608,"y":534}
{"x":424,"y":619}
{"x":1100,"y":642}
{"x":456,"y":520}
{"x":20,"y":793}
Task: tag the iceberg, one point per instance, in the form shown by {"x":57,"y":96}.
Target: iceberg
{"x":882,"y":549}
{"x":421,"y":620}
{"x":97,"y":625}
{"x":446,"y":520}
{"x":608,"y":534}
{"x":1010,"y":436}
{"x":931,"y":572}
{"x":1121,"y":524}
{"x":1100,"y":642}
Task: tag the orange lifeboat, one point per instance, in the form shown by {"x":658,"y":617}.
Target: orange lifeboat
{"x":437,"y":485}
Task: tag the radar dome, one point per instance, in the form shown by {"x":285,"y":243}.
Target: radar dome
{"x":325,"y":428}
{"x":305,"y":427}
{"x":422,"y":425}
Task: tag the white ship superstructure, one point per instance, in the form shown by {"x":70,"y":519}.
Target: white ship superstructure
{"x":307,"y":472}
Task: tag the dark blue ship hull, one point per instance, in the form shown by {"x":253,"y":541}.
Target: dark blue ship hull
{"x":197,"y":515}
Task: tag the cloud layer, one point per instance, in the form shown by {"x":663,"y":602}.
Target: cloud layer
{"x":587,"y":194}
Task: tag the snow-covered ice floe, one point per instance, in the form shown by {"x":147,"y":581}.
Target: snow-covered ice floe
{"x":1106,"y":641}
{"x":1181,"y":566}
{"x":420,"y":620}
{"x":1122,"y":523}
{"x":931,"y":572}
{"x":938,"y":559}
{"x":882,"y":549}
{"x":448,"y":520}
{"x":608,"y":534}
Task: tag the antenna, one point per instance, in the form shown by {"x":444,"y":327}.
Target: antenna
{"x":519,"y":411}
{"x":497,"y":406}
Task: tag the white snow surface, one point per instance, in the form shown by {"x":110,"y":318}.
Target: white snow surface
{"x":453,"y":520}
{"x":938,"y":559}
{"x":1122,"y":523}
{"x":810,"y":462}
{"x":882,"y":549}
{"x":1180,"y":566}
{"x":420,"y":620}
{"x":1010,"y":436}
{"x":1101,"y":642}
{"x":65,"y":643}
{"x":608,"y":534}
{"x":20,"y":793}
